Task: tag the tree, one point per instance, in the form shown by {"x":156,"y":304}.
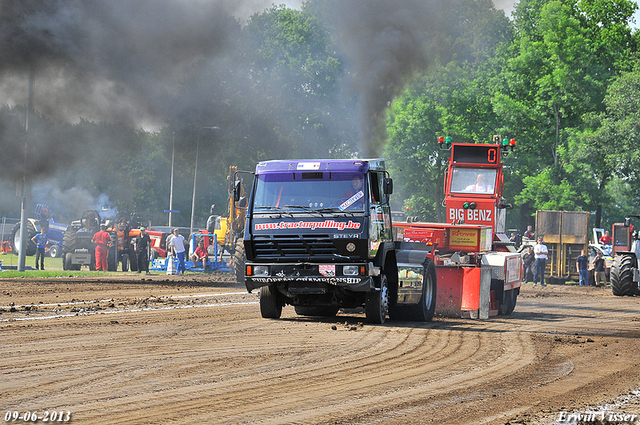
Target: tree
{"x":452,"y":98}
{"x":555,"y":76}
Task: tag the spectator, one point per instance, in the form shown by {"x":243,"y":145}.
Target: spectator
{"x":600,"y":274}
{"x":528,"y":259}
{"x":102,"y":239}
{"x":177,"y":249}
{"x":582,"y":264}
{"x":606,"y":239}
{"x":141,"y":246}
{"x":200,"y":254}
{"x":529,"y":234}
{"x":541,"y":253}
{"x":40,"y":240}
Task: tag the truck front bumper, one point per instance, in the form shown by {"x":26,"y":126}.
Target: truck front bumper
{"x":311,"y":277}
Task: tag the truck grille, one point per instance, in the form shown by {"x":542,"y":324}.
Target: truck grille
{"x":294,"y":246}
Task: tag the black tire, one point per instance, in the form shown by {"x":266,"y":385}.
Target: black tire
{"x":112,"y":260}
{"x":423,"y":312}
{"x":125,"y":262}
{"x":376,"y":304}
{"x":15,"y":238}
{"x":67,"y":263}
{"x":319,"y":311}
{"x":622,"y":275}
{"x":54,"y":251}
{"x":508,"y":303}
{"x":270,"y":305}
{"x":69,"y":240}
{"x":239,"y":260}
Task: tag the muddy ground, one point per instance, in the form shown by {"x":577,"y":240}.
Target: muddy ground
{"x":171,"y":349}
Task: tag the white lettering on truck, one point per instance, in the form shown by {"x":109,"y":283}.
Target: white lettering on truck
{"x":472,"y":215}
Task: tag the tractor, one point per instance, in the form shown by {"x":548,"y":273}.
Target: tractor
{"x":625,"y":273}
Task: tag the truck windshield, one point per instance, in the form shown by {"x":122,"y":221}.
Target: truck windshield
{"x":301,"y":191}
{"x":468,"y":180}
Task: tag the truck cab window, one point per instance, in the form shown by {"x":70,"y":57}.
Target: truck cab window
{"x":470,"y":180}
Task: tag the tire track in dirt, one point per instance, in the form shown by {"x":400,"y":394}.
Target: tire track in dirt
{"x":227,"y":365}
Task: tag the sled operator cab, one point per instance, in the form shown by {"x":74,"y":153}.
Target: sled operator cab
{"x":474,"y":184}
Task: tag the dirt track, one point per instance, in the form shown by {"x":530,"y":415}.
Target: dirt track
{"x":185,"y":350}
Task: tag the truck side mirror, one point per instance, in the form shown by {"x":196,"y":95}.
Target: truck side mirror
{"x":242,"y":203}
{"x":237,"y":190}
{"x":627,"y":222}
{"x":388,"y":186}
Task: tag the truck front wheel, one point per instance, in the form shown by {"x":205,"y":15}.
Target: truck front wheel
{"x":270,"y":306}
{"x":376,"y":304}
{"x":239,"y":259}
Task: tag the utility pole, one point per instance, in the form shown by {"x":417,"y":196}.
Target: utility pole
{"x":195,"y":176}
{"x":24,"y":187}
{"x":173,"y":157}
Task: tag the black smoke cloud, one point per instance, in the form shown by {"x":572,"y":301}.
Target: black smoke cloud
{"x":107,"y":60}
{"x":385,"y":42}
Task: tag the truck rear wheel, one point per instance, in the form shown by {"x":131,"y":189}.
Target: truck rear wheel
{"x":376,"y":304}
{"x":622,"y":275}
{"x":424,"y":311}
{"x":270,"y":306}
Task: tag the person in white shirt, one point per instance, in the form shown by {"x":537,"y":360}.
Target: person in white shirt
{"x":480,"y":185}
{"x":177,"y":249}
{"x":541,"y":252}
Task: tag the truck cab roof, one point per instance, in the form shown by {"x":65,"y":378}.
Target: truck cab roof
{"x":341,"y":165}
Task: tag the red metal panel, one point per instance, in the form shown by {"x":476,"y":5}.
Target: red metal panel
{"x":471,"y":289}
{"x":449,"y":295}
{"x":458,"y":290}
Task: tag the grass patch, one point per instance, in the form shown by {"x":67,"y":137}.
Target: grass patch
{"x":50,"y":274}
{"x":53,"y":268}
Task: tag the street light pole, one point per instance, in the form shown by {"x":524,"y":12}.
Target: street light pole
{"x":195,"y":176}
{"x":173,"y":157}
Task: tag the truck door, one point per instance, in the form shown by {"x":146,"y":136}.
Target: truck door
{"x":380,"y":223}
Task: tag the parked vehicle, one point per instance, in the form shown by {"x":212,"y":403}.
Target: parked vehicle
{"x":625,"y":270}
{"x":43,"y":217}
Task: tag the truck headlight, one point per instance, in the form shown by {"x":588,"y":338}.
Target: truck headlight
{"x":261,"y":270}
{"x":350,"y":270}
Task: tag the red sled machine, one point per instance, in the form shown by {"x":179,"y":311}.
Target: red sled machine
{"x":479,"y":271}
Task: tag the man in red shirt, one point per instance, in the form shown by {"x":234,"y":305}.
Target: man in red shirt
{"x":200,"y":254}
{"x":606,"y":239}
{"x":102,"y":240}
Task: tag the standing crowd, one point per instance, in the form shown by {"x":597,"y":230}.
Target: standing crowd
{"x":534,"y":261}
{"x":141,"y":247}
